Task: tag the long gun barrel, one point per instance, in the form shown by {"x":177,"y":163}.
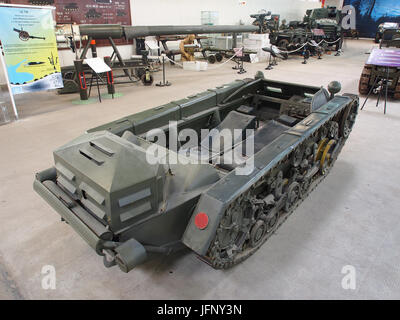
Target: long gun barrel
{"x":116,"y":31}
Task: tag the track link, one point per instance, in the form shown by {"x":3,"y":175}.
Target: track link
{"x":234,"y":241}
{"x":363,"y":85}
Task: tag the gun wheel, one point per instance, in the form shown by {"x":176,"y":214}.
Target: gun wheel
{"x":283,"y":44}
{"x":147,"y":80}
{"x":211,"y":59}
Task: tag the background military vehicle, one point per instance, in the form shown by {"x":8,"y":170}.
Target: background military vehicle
{"x":318,"y":24}
{"x":386,"y":26}
{"x":329,"y":20}
{"x":390,"y":38}
{"x":266,"y":21}
{"x":373,"y":74}
{"x":127,"y":208}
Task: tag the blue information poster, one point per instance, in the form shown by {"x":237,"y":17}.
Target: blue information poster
{"x":30,"y":49}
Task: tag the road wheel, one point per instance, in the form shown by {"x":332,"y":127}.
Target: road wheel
{"x":293,"y":195}
{"x":283,"y":44}
{"x":211,"y":59}
{"x":257,"y":233}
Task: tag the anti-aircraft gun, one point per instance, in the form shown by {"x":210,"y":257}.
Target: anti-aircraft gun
{"x":266,"y":21}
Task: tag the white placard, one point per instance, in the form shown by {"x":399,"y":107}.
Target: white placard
{"x":97,"y":64}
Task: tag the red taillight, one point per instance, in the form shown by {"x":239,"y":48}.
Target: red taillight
{"x":201,"y":220}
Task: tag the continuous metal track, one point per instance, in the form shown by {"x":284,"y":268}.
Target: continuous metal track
{"x":363,"y":85}
{"x":255,"y":215}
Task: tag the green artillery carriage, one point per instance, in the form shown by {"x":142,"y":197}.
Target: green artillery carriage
{"x":128,"y":209}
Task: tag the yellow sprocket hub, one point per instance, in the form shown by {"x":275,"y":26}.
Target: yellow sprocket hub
{"x":320,"y":149}
{"x":326,"y":155}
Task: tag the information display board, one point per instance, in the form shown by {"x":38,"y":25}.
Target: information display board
{"x":387,"y":57}
{"x":30,"y":49}
{"x":88,"y":12}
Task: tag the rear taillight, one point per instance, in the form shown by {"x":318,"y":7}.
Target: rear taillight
{"x":201,"y":220}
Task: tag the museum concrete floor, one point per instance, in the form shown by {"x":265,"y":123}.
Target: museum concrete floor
{"x":352,"y":218}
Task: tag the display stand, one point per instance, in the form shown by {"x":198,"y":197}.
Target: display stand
{"x":3,"y":65}
{"x":382,"y":84}
{"x":388,"y":58}
{"x":274,"y":53}
{"x":17,"y":63}
{"x":98,"y":67}
{"x":164,"y":83}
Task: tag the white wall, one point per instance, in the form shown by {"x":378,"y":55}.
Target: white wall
{"x":181,"y":12}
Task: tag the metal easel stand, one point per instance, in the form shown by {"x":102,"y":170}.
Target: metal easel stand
{"x":272,"y":61}
{"x":164,"y":83}
{"x":97,"y":84}
{"x":383,"y":84}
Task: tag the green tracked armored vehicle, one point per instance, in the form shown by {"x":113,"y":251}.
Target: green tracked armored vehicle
{"x":318,"y":24}
{"x":128,"y":206}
